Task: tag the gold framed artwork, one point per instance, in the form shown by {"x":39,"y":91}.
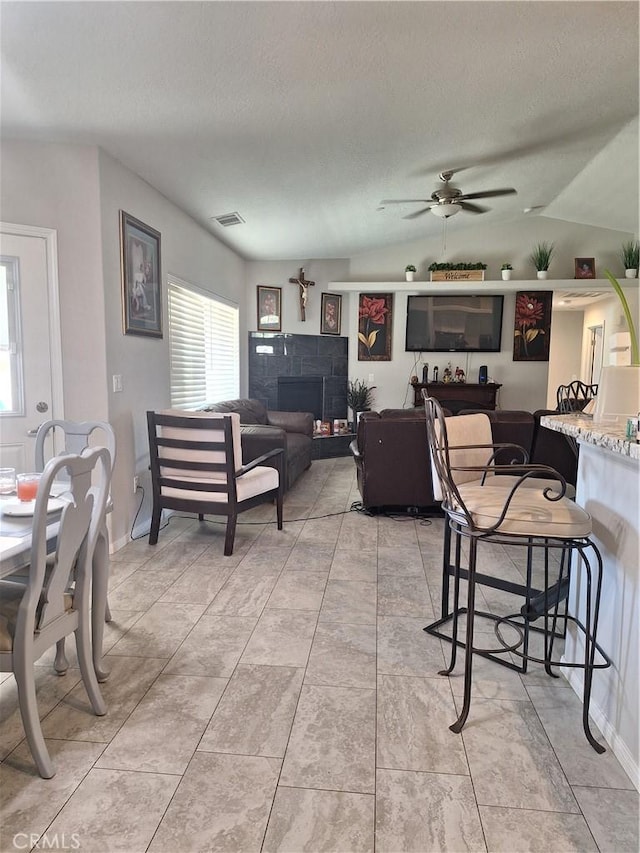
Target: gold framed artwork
{"x":140,"y":273}
{"x":269,"y":309}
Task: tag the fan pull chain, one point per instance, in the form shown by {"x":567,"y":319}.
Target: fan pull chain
{"x":444,"y":238}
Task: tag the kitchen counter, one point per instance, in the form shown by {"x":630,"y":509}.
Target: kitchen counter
{"x":608,"y":487}
{"x":581,"y":427}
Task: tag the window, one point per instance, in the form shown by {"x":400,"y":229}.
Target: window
{"x":204,"y":346}
{"x":11,"y":381}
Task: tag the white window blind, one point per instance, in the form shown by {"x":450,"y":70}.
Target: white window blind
{"x":203,"y":331}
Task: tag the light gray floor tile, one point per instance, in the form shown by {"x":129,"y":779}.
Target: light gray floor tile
{"x":199,"y":584}
{"x":28,"y":803}
{"x":213,"y":647}
{"x":176,"y":555}
{"x":222,"y":804}
{"x":343,"y":656}
{"x":399,"y":595}
{"x":50,"y":689}
{"x":160,"y":631}
{"x":397,"y":533}
{"x":119,"y":571}
{"x":255,"y":714}
{"x":244,"y":594}
{"x":354,"y":565}
{"x":529,"y":831}
{"x":129,"y":680}
{"x":281,"y":638}
{"x":101,"y":810}
{"x":307,"y":821}
{"x":323,"y":530}
{"x":512,"y":763}
{"x":352,"y":602}
{"x":298,"y":591}
{"x":490,"y":680}
{"x":561,"y":714}
{"x":414,"y":715}
{"x":142,"y":588}
{"x":308,"y":557}
{"x":612,"y":817}
{"x":162,"y":733}
{"x":264,"y":560}
{"x":405,"y":649}
{"x":395,"y":560}
{"x":332,"y":744}
{"x":445,"y":819}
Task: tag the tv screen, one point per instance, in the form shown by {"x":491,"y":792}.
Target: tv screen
{"x":454,"y":323}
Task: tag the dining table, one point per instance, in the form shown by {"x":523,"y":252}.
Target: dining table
{"x":15,"y":554}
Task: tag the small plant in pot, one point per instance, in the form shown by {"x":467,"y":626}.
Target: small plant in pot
{"x":631,"y":258}
{"x":541,"y":258}
{"x":409,"y":271}
{"x":359,"y":398}
{"x":506,"y":272}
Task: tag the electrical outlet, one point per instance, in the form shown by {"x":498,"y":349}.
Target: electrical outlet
{"x":136,"y":483}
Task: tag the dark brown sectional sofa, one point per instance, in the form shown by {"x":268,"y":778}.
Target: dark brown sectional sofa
{"x":262,"y":430}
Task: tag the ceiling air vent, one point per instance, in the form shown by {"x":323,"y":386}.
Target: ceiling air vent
{"x":228,"y":219}
{"x":591,"y":294}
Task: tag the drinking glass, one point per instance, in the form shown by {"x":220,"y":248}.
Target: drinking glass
{"x":28,"y":486}
{"x":7,"y":481}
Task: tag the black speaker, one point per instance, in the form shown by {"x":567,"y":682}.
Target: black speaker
{"x":482,"y":374}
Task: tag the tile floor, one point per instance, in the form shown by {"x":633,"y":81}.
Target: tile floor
{"x":287,"y":699}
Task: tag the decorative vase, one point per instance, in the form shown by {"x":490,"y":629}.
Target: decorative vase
{"x":630,"y":273}
{"x":618,"y":392}
{"x":409,"y":275}
{"x":542,"y":274}
{"x":506,"y":275}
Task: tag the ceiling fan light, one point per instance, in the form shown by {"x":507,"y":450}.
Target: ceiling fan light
{"x":444,"y":211}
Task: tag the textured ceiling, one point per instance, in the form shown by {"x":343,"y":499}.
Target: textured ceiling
{"x":302,"y":116}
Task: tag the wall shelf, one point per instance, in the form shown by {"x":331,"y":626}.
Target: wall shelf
{"x":479,"y":287}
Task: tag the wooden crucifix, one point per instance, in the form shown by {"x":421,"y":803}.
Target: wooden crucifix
{"x":303,"y":284}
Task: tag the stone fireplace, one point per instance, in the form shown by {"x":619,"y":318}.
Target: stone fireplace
{"x":318,"y":364}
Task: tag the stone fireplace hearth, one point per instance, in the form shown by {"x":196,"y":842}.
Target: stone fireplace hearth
{"x":274,"y":355}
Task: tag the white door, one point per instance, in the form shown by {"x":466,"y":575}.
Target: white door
{"x":29,"y":353}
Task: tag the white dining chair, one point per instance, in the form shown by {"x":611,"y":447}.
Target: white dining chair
{"x":55,"y":601}
{"x":55,"y":437}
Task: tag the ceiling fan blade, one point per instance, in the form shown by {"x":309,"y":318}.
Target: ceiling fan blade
{"x":488,"y":193}
{"x":404,"y":201}
{"x":417,"y":213}
{"x":472,"y":208}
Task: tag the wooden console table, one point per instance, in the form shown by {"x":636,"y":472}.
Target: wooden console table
{"x":459,"y":395}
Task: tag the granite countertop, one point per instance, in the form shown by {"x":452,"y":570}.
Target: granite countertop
{"x":581,"y":427}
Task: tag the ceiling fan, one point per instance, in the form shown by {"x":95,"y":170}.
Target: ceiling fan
{"x":448,"y":200}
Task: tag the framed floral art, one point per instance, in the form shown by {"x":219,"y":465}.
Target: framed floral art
{"x":375,"y":318}
{"x":532,"y":325}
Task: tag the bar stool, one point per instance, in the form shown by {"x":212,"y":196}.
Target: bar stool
{"x":479,"y":508}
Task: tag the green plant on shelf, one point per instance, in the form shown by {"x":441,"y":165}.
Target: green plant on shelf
{"x":359,"y":395}
{"x":476,"y":265}
{"x":506,"y":267}
{"x":541,"y":256}
{"x":631,"y":255}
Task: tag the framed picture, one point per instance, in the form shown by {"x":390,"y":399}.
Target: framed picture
{"x":375,"y":319}
{"x":532,"y":325}
{"x":585,"y":268}
{"x":331,"y":314}
{"x":340,"y":427}
{"x":269,"y":309}
{"x":140,"y":273}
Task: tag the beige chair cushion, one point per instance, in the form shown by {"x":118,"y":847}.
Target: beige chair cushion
{"x":260,"y":479}
{"x":529,"y":513}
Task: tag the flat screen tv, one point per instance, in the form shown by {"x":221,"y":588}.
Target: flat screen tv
{"x":455,"y":323}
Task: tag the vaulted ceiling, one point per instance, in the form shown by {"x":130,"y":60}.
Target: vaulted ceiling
{"x":302,"y":116}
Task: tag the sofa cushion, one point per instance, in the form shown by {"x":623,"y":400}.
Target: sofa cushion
{"x":250,"y":411}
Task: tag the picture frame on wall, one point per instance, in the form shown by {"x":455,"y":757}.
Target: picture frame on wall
{"x":532,"y":325}
{"x":269,"y":309}
{"x":331,"y":314}
{"x":585,"y":268}
{"x":140,"y":272}
{"x":375,"y":322}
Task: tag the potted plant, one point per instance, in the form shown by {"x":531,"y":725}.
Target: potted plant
{"x":409,"y":271}
{"x":359,"y":397}
{"x":541,"y":258}
{"x":506,"y":272}
{"x":631,"y":258}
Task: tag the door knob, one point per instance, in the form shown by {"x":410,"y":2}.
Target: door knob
{"x":42,"y":407}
